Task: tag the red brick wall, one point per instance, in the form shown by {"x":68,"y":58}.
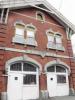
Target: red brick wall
{"x":41,"y":38}
{"x":41,"y":29}
{"x":72,"y":65}
{"x":3,"y":31}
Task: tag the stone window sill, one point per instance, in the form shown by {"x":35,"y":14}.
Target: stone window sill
{"x":54,"y":47}
{"x":21,"y":40}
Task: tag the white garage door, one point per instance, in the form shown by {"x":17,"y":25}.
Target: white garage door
{"x":23,"y":82}
{"x":57,"y":81}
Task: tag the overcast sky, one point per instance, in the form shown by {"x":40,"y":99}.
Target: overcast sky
{"x":66,"y":7}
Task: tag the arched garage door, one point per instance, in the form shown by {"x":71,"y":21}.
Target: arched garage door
{"x":23,"y":81}
{"x":57,"y":81}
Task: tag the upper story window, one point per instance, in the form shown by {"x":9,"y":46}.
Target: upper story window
{"x":40,"y":16}
{"x":50,"y":36}
{"x":58,"y":40}
{"x":57,"y":69}
{"x":4,"y":15}
{"x":24,"y":34}
{"x":30,"y":32}
{"x":19,"y":30}
{"x":54,"y":40}
{"x":30,"y":35}
{"x":16,"y":67}
{"x":19,"y":33}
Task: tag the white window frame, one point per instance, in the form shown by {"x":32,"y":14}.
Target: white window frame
{"x":21,"y":30}
{"x":58,"y":37}
{"x":30,"y":34}
{"x":42,"y":14}
{"x":50,"y":38}
{"x":59,"y":73}
{"x":26,"y":73}
{"x":30,"y":40}
{"x":58,"y":44}
{"x":19,"y":23}
{"x":18,"y":38}
{"x":50,"y":43}
{"x":54,"y":45}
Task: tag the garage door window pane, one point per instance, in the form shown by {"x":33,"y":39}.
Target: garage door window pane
{"x":29,"y":79}
{"x":51,"y":69}
{"x":61,"y":79}
{"x":28,"y":67}
{"x":60,"y":69}
{"x":16,"y":67}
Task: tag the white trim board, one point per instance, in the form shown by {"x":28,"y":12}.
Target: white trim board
{"x":35,"y":52}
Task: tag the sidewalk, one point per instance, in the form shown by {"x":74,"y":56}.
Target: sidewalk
{"x":63,"y":98}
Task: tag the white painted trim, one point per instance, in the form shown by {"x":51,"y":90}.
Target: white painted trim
{"x":43,"y":16}
{"x":58,"y":33}
{"x":67,"y":33}
{"x":2,"y":15}
{"x":27,"y":25}
{"x":25,"y":40}
{"x":19,"y":22}
{"x":23,"y":58}
{"x":36,"y":52}
{"x":54,"y":62}
{"x":54,"y":36}
{"x":54,"y":32}
{"x":16,"y":23}
{"x":50,"y":30}
{"x":7,"y":16}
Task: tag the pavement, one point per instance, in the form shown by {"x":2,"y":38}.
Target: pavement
{"x":63,"y":98}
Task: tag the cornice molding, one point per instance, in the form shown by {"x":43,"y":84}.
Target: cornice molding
{"x":35,"y":52}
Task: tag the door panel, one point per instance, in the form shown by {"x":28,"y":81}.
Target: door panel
{"x":62,"y":86}
{"x":14,"y":86}
{"x":23,"y":81}
{"x":57,"y":84}
{"x":22,"y":87}
{"x":51,"y":84}
{"x":30,"y":87}
{"x":30,"y":92}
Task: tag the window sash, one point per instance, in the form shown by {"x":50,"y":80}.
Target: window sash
{"x":60,"y":69}
{"x":39,"y":16}
{"x":19,"y":31}
{"x":58,"y":40}
{"x":25,"y":67}
{"x":61,"y":79}
{"x":50,"y":38}
{"x":30,"y":34}
{"x":51,"y":69}
{"x":29,"y":79}
{"x":29,"y":67}
{"x":57,"y":69}
{"x":16,"y":67}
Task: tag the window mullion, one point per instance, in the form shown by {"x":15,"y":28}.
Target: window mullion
{"x":22,"y":66}
{"x":55,"y":68}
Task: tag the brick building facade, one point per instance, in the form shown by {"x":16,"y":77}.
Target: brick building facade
{"x":36,"y":57}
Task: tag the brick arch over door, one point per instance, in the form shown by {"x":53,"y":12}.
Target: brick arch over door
{"x":59,"y":62}
{"x":57,"y":78}
{"x":23,"y":58}
{"x":24,"y":81}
